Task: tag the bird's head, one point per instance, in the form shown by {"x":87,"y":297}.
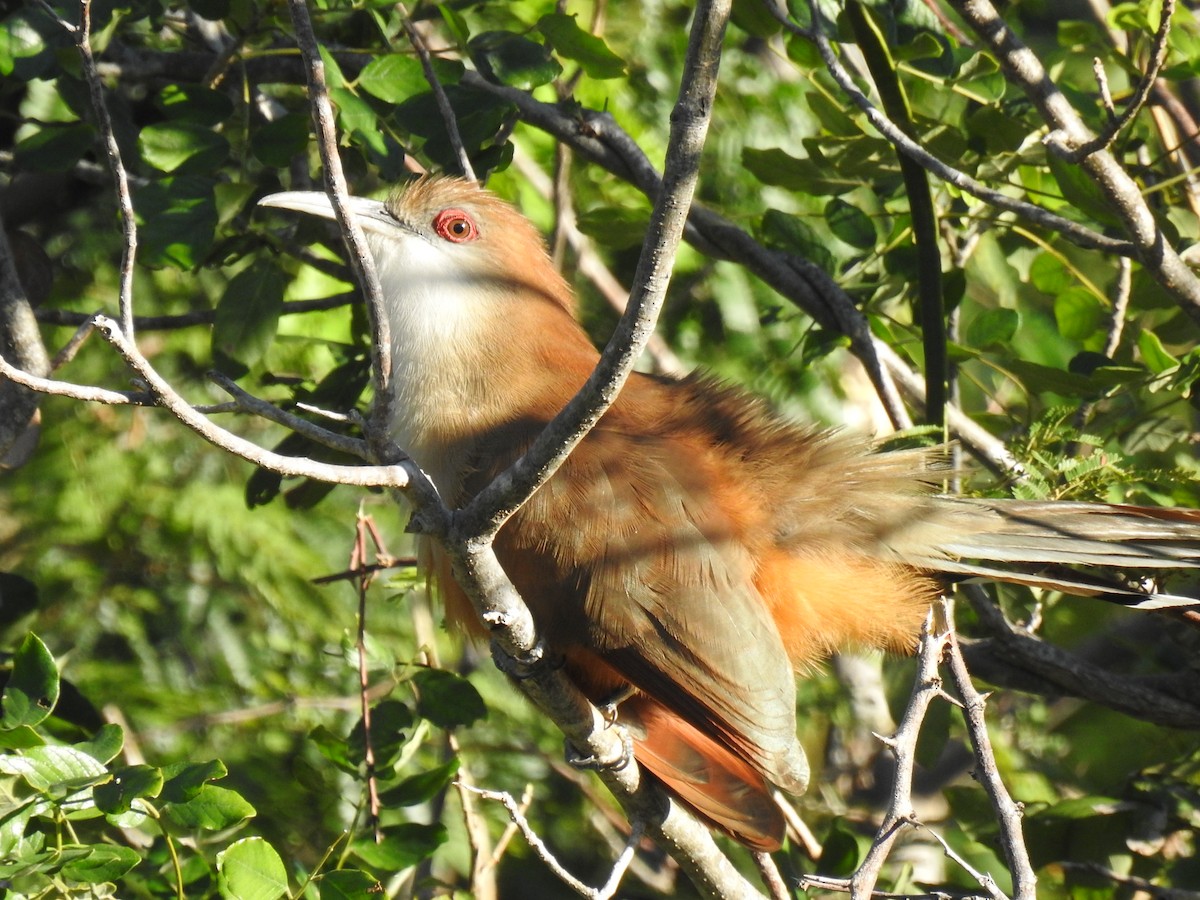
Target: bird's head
{"x":478,"y":314}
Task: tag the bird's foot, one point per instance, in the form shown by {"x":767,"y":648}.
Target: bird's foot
{"x":523,"y":668}
{"x":595,"y":763}
{"x":609,"y":706}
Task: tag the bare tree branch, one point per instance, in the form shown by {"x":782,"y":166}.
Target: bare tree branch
{"x":1078,"y":234}
{"x":20,"y":340}
{"x":1024,"y":68}
{"x":927,"y":687}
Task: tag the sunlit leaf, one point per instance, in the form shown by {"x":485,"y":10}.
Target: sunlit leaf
{"x":172,"y":145}
{"x":572,"y":42}
{"x":250,"y":869}
{"x":32,"y":688}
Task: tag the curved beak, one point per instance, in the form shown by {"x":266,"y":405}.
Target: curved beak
{"x":372,"y":215}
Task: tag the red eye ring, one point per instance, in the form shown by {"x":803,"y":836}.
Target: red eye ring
{"x":455,"y":226}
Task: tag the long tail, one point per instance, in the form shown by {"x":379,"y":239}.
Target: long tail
{"x":1060,"y":545}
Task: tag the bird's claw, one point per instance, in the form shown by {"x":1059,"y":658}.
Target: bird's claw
{"x":609,"y":706}
{"x":595,"y":763}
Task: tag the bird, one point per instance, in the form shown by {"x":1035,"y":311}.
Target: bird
{"x":696,"y":551}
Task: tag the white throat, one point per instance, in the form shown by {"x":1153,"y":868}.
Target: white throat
{"x":436,"y":312}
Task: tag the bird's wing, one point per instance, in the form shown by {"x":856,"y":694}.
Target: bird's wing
{"x":665,"y":591}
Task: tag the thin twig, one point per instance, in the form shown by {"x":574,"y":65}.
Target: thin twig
{"x":160,"y":393}
{"x":358,"y":560}
{"x":68,"y":350}
{"x":604,"y":892}
{"x":361,"y":260}
{"x":1008,"y":812}
{"x":259,"y":407}
{"x":927,"y":687}
{"x":67,"y":317}
{"x":1158,"y":58}
{"x":986,"y":881}
{"x":112,"y":151}
{"x":439,"y":95}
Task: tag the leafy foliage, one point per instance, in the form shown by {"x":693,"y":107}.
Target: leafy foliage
{"x":238,"y":764}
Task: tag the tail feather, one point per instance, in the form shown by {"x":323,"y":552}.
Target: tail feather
{"x":1057,"y":545}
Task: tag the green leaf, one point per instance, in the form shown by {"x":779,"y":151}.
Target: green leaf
{"x":247,"y":317}
{"x":832,"y":115}
{"x":393,"y":78}
{"x":421,"y":787}
{"x":389,"y":719}
{"x":212,"y":809}
{"x":1154,"y":354}
{"x":21,"y":738}
{"x":850,"y":224}
{"x":402,"y":846}
{"x":335,"y":749}
{"x":1038,"y":379}
{"x":169,"y":146}
{"x":183,"y":781}
{"x":992,"y":328}
{"x":276,"y":143}
{"x":1080,"y":191}
{"x":507,"y":58}
{"x":923,"y":46}
{"x":53,"y":769}
{"x":54,"y":147}
{"x":348,"y":884}
{"x":840,"y":851}
{"x":1048,"y":274}
{"x":620,"y":227}
{"x":103,"y":862}
{"x":755,"y":18}
{"x":981,"y":78}
{"x":356,"y":116}
{"x":783,"y":231}
{"x":456,"y":23}
{"x":1129,"y":17}
{"x":19,"y":39}
{"x":250,"y":869}
{"x":176,"y":218}
{"x":333,"y":72}
{"x":777,"y":168}
{"x":1082,"y":808}
{"x":1078,"y":313}
{"x":128,"y":783}
{"x":572,"y":42}
{"x":447,"y":699}
{"x":106,"y":743}
{"x":32,"y":688}
{"x":195,"y":103}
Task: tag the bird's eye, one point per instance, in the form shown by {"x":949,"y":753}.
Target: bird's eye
{"x":455,"y":226}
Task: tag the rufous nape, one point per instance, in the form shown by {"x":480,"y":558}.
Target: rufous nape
{"x":696,"y":550}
